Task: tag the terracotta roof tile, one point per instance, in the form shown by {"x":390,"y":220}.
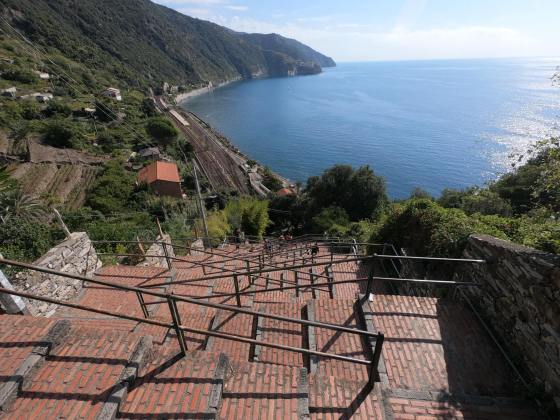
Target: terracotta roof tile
{"x":159,"y":171}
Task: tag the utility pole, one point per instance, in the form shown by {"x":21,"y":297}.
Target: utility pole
{"x":202,"y":208}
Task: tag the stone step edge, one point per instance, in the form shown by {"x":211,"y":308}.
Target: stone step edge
{"x":25,"y":372}
{"x":366,"y":317}
{"x":111,"y":406}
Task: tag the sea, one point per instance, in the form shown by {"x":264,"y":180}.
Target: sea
{"x":428,"y":124}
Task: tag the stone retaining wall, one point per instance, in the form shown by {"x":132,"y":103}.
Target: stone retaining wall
{"x":75,"y":255}
{"x":158,"y":253}
{"x":519,"y":298}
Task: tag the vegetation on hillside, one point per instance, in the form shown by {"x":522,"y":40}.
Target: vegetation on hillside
{"x":145,"y":44}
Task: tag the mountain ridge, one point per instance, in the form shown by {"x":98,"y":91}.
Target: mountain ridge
{"x":147,"y":44}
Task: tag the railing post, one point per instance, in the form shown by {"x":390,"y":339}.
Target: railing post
{"x":236,"y":285}
{"x":312,"y":281}
{"x":369,"y":288}
{"x":282,"y":281}
{"x":297,"y":283}
{"x":248,"y":265}
{"x":330,"y":279}
{"x":142,"y":304}
{"x":177,"y":324}
{"x":166,"y":255}
{"x":374,"y":368}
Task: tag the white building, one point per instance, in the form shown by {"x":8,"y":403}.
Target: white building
{"x":113,"y":93}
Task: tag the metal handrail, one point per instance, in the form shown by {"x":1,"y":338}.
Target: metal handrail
{"x":184,"y":298}
{"x":355,"y":259}
{"x":335,"y":282}
{"x":184,"y":328}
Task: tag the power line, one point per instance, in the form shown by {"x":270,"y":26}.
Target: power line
{"x":66,"y":79}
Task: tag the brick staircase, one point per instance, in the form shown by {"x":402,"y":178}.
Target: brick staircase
{"x":434,"y":365}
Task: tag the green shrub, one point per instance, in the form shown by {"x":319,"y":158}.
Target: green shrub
{"x":59,"y":133}
{"x":112,"y":191}
{"x":429,"y":229}
{"x":20,"y":75}
{"x":162,"y":130}
{"x":332,"y":220}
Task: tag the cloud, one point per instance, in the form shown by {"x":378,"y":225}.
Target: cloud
{"x":237,"y":8}
{"x":351,"y":42}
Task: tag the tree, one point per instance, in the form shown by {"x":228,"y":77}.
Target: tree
{"x":360,"y":192}
{"x":162,"y":130}
{"x":59,"y":133}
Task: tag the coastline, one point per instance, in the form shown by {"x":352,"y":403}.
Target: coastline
{"x":184,"y":97}
{"x":228,"y":146}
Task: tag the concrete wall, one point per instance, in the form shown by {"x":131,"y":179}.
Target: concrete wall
{"x":76,"y":256}
{"x":519,"y":298}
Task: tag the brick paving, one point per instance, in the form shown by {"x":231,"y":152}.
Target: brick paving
{"x":77,"y":377}
{"x":436,"y":354}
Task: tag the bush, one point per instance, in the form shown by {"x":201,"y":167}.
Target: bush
{"x":57,"y":108}
{"x":476,"y":200}
{"x":26,"y":241}
{"x":332,"y":220}
{"x":162,"y":130}
{"x":429,"y":229}
{"x":112,"y":191}
{"x":270,"y":180}
{"x":59,"y":134}
{"x":20,"y":75}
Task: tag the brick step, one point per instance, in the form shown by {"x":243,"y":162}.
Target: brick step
{"x":452,"y":407}
{"x":115,"y":300}
{"x":173,"y":386}
{"x":280,"y":332}
{"x":438,"y":345}
{"x":24,"y":341}
{"x":80,"y":377}
{"x":233,"y":323}
{"x":342,"y":312}
{"x":332,"y":397}
{"x":263,"y":391}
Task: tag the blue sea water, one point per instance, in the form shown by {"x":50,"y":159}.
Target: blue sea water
{"x":428,"y":124}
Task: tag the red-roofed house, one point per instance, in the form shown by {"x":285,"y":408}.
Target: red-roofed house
{"x":285,"y":192}
{"x":163,"y":178}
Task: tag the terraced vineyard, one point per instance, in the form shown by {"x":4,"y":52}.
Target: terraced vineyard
{"x":61,"y":183}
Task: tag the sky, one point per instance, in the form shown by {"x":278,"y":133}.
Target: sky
{"x":374,"y":30}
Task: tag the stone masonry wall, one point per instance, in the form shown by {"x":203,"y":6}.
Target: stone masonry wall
{"x":75,"y":255}
{"x":519,"y":298}
{"x":158,"y":253}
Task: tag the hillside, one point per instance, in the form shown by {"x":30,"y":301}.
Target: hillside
{"x":147,"y":44}
{"x":290,"y":47}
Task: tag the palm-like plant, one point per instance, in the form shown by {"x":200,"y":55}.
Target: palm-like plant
{"x":16,"y":204}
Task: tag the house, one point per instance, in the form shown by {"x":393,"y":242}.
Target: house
{"x":149,"y":153}
{"x":162,"y":178}
{"x":285,"y":192}
{"x":43,"y":97}
{"x":43,"y":76}
{"x":113,"y":93}
{"x":10,"y":93}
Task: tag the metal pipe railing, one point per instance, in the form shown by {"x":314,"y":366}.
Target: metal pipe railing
{"x":184,"y":328}
{"x":186,"y":299}
{"x":355,"y":259}
{"x":329,"y":284}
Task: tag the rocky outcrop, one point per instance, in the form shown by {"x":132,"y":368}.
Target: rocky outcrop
{"x":519,"y":297}
{"x":75,"y":255}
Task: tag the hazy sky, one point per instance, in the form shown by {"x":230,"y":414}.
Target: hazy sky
{"x":364,"y":30}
